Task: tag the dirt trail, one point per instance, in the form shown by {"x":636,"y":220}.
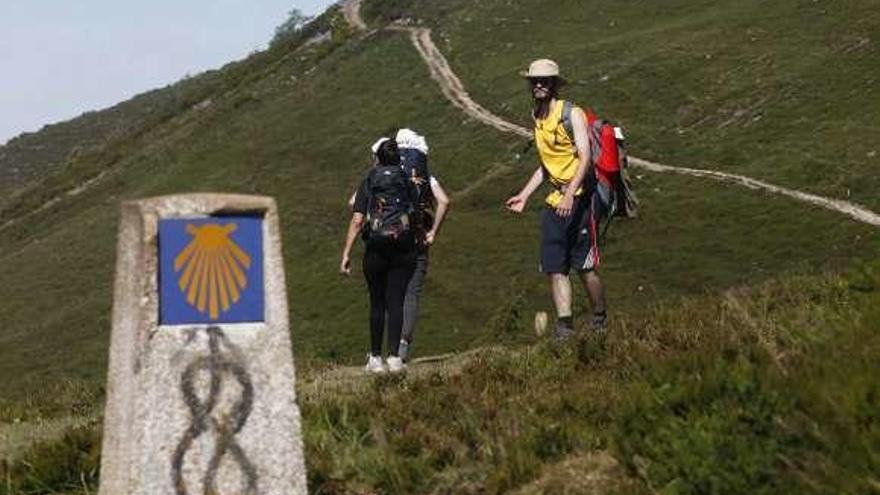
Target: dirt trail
{"x":76,"y":191}
{"x":315,"y":384}
{"x":451,"y":85}
{"x":853,"y":210}
{"x":455,"y":92}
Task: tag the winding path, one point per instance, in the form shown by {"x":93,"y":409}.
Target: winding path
{"x":455,"y":92}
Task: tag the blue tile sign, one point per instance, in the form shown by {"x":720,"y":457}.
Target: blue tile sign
{"x":211,"y":270}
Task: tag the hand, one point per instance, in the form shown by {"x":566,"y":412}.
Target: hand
{"x":345,"y":265}
{"x":429,"y":237}
{"x":516,"y":204}
{"x":565,"y":206}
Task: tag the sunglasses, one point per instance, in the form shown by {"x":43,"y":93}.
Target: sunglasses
{"x":541,"y":81}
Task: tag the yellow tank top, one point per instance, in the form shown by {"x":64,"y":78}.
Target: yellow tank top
{"x":557,"y":151}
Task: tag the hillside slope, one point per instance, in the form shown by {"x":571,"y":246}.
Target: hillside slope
{"x":296,"y":124}
{"x":785,"y":92}
{"x":767,"y":389}
{"x":30,"y":158}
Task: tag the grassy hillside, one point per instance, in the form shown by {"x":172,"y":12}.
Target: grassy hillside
{"x":767,"y":389}
{"x":785,"y":91}
{"x":294,"y":122}
{"x":101,"y":137}
{"x":32,"y":156}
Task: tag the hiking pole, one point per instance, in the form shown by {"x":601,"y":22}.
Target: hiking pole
{"x":611,"y":216}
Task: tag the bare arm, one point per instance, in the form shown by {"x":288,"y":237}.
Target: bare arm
{"x":443,"y":204}
{"x":354,"y":227}
{"x":517,"y":203}
{"x":582,"y":143}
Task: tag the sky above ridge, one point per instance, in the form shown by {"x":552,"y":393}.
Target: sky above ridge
{"x":61,"y":58}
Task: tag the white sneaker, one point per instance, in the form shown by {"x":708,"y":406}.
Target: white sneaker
{"x":374,"y":364}
{"x":395,"y":364}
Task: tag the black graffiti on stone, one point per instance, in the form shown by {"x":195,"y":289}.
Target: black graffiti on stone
{"x":220,"y":366}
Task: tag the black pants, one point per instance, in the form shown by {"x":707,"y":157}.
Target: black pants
{"x":387,"y":270}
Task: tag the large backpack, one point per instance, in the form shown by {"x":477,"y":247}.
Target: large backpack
{"x":415,"y":166}
{"x":608,"y":161}
{"x":390,"y":207}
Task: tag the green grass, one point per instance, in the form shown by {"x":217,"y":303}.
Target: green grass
{"x":766,"y":389}
{"x":68,"y":465}
{"x":296,"y":125}
{"x":740,"y":360}
{"x":783,"y":91}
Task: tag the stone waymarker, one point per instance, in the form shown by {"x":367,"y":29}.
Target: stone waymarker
{"x":200,"y":394}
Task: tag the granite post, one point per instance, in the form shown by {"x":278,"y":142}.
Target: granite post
{"x":200,"y":389}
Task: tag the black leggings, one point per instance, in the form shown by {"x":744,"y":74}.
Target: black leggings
{"x":387,"y":271}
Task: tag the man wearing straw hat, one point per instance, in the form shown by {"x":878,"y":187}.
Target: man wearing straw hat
{"x":568,"y":221}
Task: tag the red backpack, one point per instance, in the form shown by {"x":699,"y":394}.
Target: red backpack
{"x":608,"y":159}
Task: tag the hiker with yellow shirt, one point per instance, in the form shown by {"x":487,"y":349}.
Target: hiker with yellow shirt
{"x":571,"y":213}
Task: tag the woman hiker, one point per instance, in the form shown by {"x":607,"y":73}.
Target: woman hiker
{"x":431,"y":207}
{"x":381,"y":213}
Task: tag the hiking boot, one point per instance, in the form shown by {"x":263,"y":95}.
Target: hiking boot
{"x":395,"y":364}
{"x":403,"y":350}
{"x":599,"y":324}
{"x":562,"y":332}
{"x":374,"y":364}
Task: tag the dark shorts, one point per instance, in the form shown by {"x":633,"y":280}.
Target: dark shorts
{"x":570,"y":243}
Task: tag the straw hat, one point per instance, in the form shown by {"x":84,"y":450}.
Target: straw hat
{"x":543,"y":67}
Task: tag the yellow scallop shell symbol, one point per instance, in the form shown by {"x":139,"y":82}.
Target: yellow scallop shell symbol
{"x":214,"y":268}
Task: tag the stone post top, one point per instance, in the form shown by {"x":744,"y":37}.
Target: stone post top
{"x":203,"y":204}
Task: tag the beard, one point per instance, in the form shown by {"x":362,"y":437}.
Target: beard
{"x":542,"y":102}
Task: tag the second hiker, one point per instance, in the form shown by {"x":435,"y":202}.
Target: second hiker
{"x":431,"y":208}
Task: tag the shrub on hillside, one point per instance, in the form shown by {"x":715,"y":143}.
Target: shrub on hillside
{"x":66,"y":466}
{"x":288,"y":29}
{"x":764,"y":390}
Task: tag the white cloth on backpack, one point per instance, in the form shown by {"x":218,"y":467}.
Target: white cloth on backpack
{"x":407,"y":138}
{"x":375,"y":146}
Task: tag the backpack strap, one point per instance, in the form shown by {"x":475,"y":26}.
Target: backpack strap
{"x":565,"y":120}
{"x":567,"y":108}
{"x":592,"y":122}
{"x":368,"y":186}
